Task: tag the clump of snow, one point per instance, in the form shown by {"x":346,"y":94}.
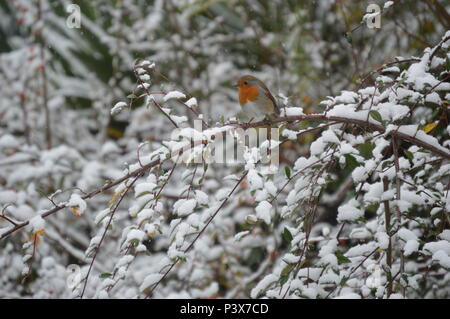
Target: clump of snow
{"x":442,"y":258}
{"x":37,"y":224}
{"x":359,"y":174}
{"x":179,"y":119}
{"x":174,"y":95}
{"x":135,"y":235}
{"x":119,"y":107}
{"x":201,"y":197}
{"x":192,"y":102}
{"x":349,"y":212}
{"x":263,"y":211}
{"x":144,"y":188}
{"x":241,"y":234}
{"x":293,"y":111}
{"x":184,"y":207}
{"x":411,"y":246}
{"x":149,"y":281}
{"x":436,"y":246}
{"x":255,"y":181}
{"x":262,"y":285}
{"x":77,"y":203}
{"x":8,"y":141}
{"x":387,"y":4}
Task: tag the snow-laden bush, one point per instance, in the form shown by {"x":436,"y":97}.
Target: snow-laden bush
{"x":364,"y":214}
{"x":94,"y":201}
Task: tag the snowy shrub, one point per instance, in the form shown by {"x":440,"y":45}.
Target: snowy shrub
{"x":357,"y":208}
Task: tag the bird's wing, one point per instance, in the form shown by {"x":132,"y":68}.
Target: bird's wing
{"x":270,"y":96}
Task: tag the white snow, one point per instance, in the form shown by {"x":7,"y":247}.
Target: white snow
{"x":411,"y":246}
{"x":76,"y":201}
{"x":406,"y":234}
{"x":255,"y":181}
{"x":359,"y":174}
{"x":349,"y":212}
{"x":241,"y":234}
{"x":330,"y":137}
{"x":176,"y":95}
{"x":262,"y":285}
{"x":383,"y":240}
{"x":118,"y":108}
{"x":294,"y":111}
{"x":184,"y":207}
{"x":135,"y":234}
{"x":387,"y":4}
{"x":360,"y":250}
{"x":443,"y":258}
{"x":144,"y":188}
{"x":351,"y":295}
{"x":192,"y":102}
{"x":290,"y":258}
{"x":263,"y":211}
{"x":445,"y":235}
{"x":150,"y":280}
{"x":201,"y":197}
{"x":437,"y":245}
{"x":37,"y":223}
{"x":419,"y":76}
{"x":8,"y":141}
{"x":433,"y":97}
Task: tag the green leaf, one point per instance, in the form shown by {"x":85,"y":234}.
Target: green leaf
{"x":41,"y":191}
{"x":366,"y":150}
{"x":386,"y":164}
{"x":287,"y":171}
{"x":351,"y":162}
{"x":287,"y":236}
{"x":341,"y":258}
{"x":409,"y":155}
{"x":348,"y":36}
{"x":343,"y":281}
{"x":284,"y":276}
{"x":106,"y":275}
{"x":132,"y":96}
{"x":376,"y":116}
{"x":286,"y":270}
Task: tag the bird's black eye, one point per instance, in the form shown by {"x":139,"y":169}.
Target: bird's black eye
{"x":245,"y":82}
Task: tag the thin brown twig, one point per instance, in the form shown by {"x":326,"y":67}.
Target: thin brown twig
{"x":87,"y":196}
{"x":198,"y":235}
{"x":362,"y":123}
{"x":156,"y":104}
{"x":353,"y":270}
{"x":112,"y":213}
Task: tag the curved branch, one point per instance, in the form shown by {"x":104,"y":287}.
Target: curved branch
{"x":441,"y":151}
{"x":438,"y":150}
{"x":57,"y":208}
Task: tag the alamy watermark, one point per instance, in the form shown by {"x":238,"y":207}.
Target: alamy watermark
{"x":229,"y":145}
{"x":373,"y":16}
{"x":73,"y":21}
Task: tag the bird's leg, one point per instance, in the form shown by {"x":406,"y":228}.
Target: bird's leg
{"x":247,"y":125}
{"x":267,"y":121}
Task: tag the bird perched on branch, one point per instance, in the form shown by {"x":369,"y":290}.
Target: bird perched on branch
{"x":255,"y":98}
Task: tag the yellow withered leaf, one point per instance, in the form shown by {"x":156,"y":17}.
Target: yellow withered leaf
{"x":76,"y":212}
{"x":429,"y":127}
{"x":36,"y":237}
{"x":116,"y":196}
{"x":40,"y":232}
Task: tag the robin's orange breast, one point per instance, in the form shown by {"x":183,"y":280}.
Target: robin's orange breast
{"x":248,"y":93}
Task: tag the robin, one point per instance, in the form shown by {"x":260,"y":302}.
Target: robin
{"x":255,"y":98}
